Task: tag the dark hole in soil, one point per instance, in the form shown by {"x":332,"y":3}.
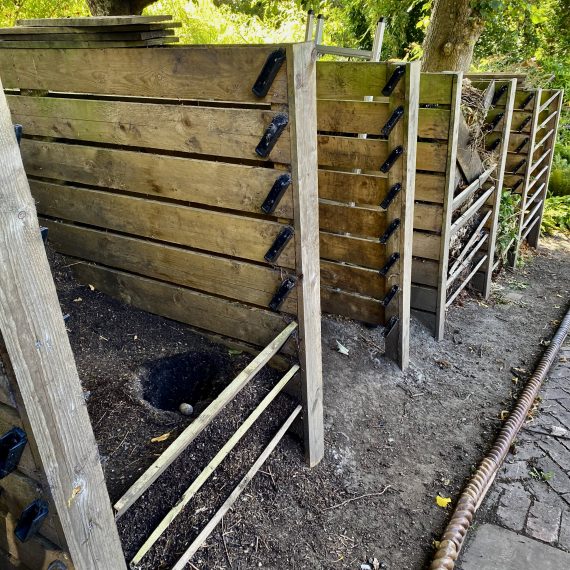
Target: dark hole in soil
{"x":191,"y":377}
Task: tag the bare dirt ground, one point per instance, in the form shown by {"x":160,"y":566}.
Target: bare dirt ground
{"x":394,"y":440}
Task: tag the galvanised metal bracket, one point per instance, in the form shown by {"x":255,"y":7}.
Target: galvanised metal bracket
{"x":19,"y":130}
{"x":12,"y":445}
{"x":392,"y":121}
{"x":524,"y":124}
{"x":397,"y":74}
{"x":394,"y":225}
{"x":31,"y":520}
{"x":392,"y":157}
{"x":390,"y":295}
{"x":390,"y":325}
{"x":522,"y":145}
{"x":268,"y":72}
{"x":282,"y":293}
{"x":271,"y":135}
{"x":519,"y":166}
{"x":276,"y":193}
{"x":279,"y":244}
{"x":498,"y":94}
{"x":392,"y":193}
{"x":389,"y":264}
{"x":528,"y":100}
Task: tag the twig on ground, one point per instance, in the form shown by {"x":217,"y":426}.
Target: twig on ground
{"x":225,"y":545}
{"x":359,"y":497}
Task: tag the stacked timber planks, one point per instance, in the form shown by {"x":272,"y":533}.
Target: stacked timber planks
{"x":96,"y":32}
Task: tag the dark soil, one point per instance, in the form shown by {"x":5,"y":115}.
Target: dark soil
{"x":393,"y":440}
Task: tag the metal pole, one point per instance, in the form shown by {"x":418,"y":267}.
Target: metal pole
{"x":310,"y":25}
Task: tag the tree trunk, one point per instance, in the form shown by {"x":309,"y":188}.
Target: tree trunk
{"x":452,"y":33}
{"x":118,"y":7}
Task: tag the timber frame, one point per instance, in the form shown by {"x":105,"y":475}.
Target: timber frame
{"x":158,"y":184}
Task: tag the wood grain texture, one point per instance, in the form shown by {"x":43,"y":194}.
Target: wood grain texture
{"x":37,"y":345}
{"x":93,"y":21}
{"x":351,"y":187}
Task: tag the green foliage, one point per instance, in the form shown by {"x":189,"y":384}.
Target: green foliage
{"x":556,"y":218}
{"x":507,"y":228}
{"x":12,"y":10}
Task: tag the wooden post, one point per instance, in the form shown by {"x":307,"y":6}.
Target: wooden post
{"x":450,"y":185}
{"x":403,"y":172}
{"x":36,"y":342}
{"x":301,"y":72}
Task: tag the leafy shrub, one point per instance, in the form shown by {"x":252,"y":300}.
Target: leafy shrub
{"x":556,"y":215}
{"x":507,"y":228}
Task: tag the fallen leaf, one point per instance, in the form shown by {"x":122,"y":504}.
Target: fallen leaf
{"x":78,"y":300}
{"x":160,"y":438}
{"x":443,"y":363}
{"x":442,"y":501}
{"x":91,"y":287}
{"x":341,"y":348}
{"x":234,"y":352}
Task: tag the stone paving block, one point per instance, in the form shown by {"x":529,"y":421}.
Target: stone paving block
{"x":561,"y":414}
{"x":564,"y":536}
{"x":527,"y":450}
{"x":513,"y":507}
{"x":552,"y":393}
{"x":515,"y":471}
{"x":544,"y":493}
{"x":562,"y":370}
{"x":556,"y":451}
{"x":543,"y":522}
{"x":559,"y":481}
{"x":565,"y":403}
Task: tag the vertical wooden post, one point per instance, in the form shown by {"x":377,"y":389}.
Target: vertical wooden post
{"x":407,"y":93}
{"x":36,"y":342}
{"x":534,"y":234}
{"x":499,"y":178}
{"x":450,"y":185}
{"x":301,"y":73}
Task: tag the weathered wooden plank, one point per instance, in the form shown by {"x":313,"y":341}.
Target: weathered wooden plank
{"x":334,"y":217}
{"x":424,"y":298}
{"x":219,"y":184}
{"x":352,"y":187}
{"x":78,"y":44}
{"x":424,"y":272}
{"x":352,"y":278}
{"x":426,"y":246}
{"x":430,"y":187}
{"x":352,"y":305}
{"x":93,"y":21}
{"x":92,"y":35}
{"x":37,"y":345}
{"x":213,"y":131}
{"x":358,"y":251}
{"x":116,"y":29}
{"x":218,"y":232}
{"x":171,"y":72}
{"x":233,"y":279}
{"x":433,"y":123}
{"x":236,"y":320}
{"x":436,"y":88}
{"x":428,"y":217}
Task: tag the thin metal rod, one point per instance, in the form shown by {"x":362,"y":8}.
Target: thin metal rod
{"x":378,"y":40}
{"x":310,"y":28}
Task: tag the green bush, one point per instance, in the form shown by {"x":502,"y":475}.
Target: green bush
{"x":559,"y":183}
{"x":556,"y":215}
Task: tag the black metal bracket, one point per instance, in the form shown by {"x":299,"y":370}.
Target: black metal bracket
{"x":493,"y":124}
{"x":389,"y":264}
{"x":279,"y":244}
{"x":268,"y":72}
{"x":392,"y":121}
{"x":276,"y":193}
{"x":524,"y":124}
{"x":282,"y":293}
{"x":528,"y":100}
{"x":31,"y":520}
{"x":397,"y":74}
{"x":12,"y":445}
{"x":392,"y":193}
{"x":522,"y":145}
{"x":516,"y":184}
{"x":498,"y":94}
{"x":392,"y":157}
{"x":44,"y":233}
{"x":19,"y":130}
{"x":494,"y":145}
{"x":390,"y":325}
{"x":390,"y":295}
{"x":519,"y":166}
{"x":271,"y":135}
{"x":394,"y":225}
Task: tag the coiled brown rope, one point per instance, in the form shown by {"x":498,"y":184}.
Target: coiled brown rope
{"x":454,"y":534}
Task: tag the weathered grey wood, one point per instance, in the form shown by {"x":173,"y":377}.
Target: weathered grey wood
{"x":92,"y":21}
{"x":301,"y":73}
{"x":37,"y":345}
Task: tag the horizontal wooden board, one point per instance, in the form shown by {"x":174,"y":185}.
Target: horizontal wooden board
{"x":350,"y":187}
{"x":358,"y":251}
{"x":427,"y":319}
{"x":515,"y":140}
{"x":232,"y":319}
{"x":370,"y":154}
{"x":428,"y":217}
{"x":216,"y":275}
{"x":354,"y":279}
{"x":429,"y":187}
{"x":511,"y":179}
{"x":515,"y":160}
{"x":351,"y":219}
{"x":354,"y":306}
{"x":183,"y":72}
{"x":219,"y":184}
{"x":217,"y":232}
{"x":93,"y":21}
{"x":93,"y":35}
{"x":426,"y":245}
{"x":435,"y":88}
{"x":119,"y":28}
{"x":424,"y":298}
{"x":425,"y":272}
{"x":78,"y":44}
{"x":367,"y":117}
{"x":213,"y":131}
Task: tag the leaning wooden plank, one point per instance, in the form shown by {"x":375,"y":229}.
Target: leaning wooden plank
{"x":207,"y":530}
{"x":213,"y":465}
{"x":8,"y":562}
{"x":139,"y":72}
{"x":547,"y":103}
{"x":457,"y":272}
{"x":530,"y":226}
{"x":217,"y":232}
{"x":473,"y":209}
{"x":470,"y":242}
{"x":27,"y":45}
{"x":301,"y":63}
{"x":213,"y":131}
{"x":94,"y":21}
{"x":213,"y":183}
{"x":38,"y":347}
{"x":466,"y":281}
{"x":202,"y":421}
{"x":471,"y":189}
{"x":228,"y":278}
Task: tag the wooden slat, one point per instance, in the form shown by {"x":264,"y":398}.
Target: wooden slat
{"x":350,"y":187}
{"x":37,"y":345}
{"x":430,"y":187}
{"x":78,"y":44}
{"x":473,"y":209}
{"x":334,"y":217}
{"x":194,"y":129}
{"x":199,"y":310}
{"x":424,"y":298}
{"x":428,"y":217}
{"x":424,"y":272}
{"x":211,"y":274}
{"x":471,"y":189}
{"x":216,"y":232}
{"x":426,"y":245}
{"x":358,"y":251}
{"x":431,"y":156}
{"x":436,"y":88}
{"x":77,"y":30}
{"x":352,"y":305}
{"x":353,"y":278}
{"x":453,"y":275}
{"x":95,"y":35}
{"x":94,"y":21}
{"x":466,"y":281}
{"x":171,"y":72}
{"x":232,"y":186}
